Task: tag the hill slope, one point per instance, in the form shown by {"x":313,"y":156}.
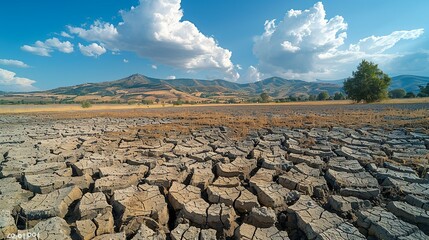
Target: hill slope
{"x":139,"y":86}
{"x":410,"y":83}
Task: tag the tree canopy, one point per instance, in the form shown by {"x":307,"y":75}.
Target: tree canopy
{"x":323,"y":96}
{"x":424,"y":91}
{"x":367,"y":84}
{"x":397,"y":93}
{"x":265,"y":97}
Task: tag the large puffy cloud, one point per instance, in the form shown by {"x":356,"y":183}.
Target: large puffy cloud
{"x":155,"y":30}
{"x":14,"y":63}
{"x":252,"y":75}
{"x":306,"y":45}
{"x":92,"y":50}
{"x":45,"y":48}
{"x":9,"y":81}
{"x":98,"y":31}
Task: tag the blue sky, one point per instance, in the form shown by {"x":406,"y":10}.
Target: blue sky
{"x":48,"y":44}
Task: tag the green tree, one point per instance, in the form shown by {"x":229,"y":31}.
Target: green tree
{"x":397,"y":93}
{"x":339,"y":96}
{"x":323,"y":96}
{"x":312,"y":97}
{"x":410,"y":95}
{"x":368,"y":83}
{"x":292,"y":98}
{"x":147,"y":102}
{"x":86,"y":104}
{"x":424,"y":91}
{"x":264,"y":97}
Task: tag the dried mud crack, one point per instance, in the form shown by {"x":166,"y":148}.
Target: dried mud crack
{"x":112,"y":178}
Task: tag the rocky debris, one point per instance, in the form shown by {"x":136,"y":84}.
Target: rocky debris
{"x":85,"y":229}
{"x":143,"y":200}
{"x":384,"y":225}
{"x":239,"y":167}
{"x":249,"y":232}
{"x":309,"y":185}
{"x":346,"y":205}
{"x":409,"y":212}
{"x":317,"y":223}
{"x":50,"y":229}
{"x":54,"y":204}
{"x":49,"y":182}
{"x":361,"y":184}
{"x":93,"y":204}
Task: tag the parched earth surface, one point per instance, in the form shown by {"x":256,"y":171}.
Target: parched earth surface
{"x":104,"y":178}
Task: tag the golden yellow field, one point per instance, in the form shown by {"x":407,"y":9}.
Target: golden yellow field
{"x":23,"y":108}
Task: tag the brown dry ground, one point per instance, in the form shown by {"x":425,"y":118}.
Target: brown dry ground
{"x":242,"y":118}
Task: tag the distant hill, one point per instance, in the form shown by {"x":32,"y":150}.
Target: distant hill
{"x":410,"y":83}
{"x":137,"y":88}
{"x":142,"y":87}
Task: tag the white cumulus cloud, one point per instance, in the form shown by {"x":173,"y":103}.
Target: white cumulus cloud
{"x":154,"y":29}
{"x":66,"y":35}
{"x":49,"y":45}
{"x":9,"y":80}
{"x":306,"y":45}
{"x":252,"y":75}
{"x":98,"y":31}
{"x":92,"y":50}
{"x":374,"y":44}
{"x":171,"y":77}
{"x":14,"y":63}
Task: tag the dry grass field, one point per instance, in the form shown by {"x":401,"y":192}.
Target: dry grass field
{"x":24,"y":108}
{"x":242,"y":118}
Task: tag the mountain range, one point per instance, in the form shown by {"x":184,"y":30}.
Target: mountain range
{"x":142,"y":87}
{"x":138,"y":87}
